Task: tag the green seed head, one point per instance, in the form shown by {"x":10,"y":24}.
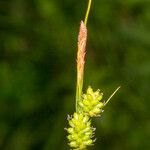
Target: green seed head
{"x":91,"y":102}
{"x":80,"y":131}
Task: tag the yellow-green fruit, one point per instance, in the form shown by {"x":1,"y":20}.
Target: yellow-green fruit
{"x":91,"y":103}
{"x":80,"y":131}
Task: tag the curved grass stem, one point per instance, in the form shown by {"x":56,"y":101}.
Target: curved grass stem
{"x":87,"y":12}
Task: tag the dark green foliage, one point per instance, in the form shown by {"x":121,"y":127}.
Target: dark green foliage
{"x":38,"y":42}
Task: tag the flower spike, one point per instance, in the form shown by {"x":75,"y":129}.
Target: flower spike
{"x":80,"y":132}
{"x":82,"y":38}
{"x":88,"y":105}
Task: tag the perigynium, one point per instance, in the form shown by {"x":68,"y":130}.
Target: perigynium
{"x":89,"y":104}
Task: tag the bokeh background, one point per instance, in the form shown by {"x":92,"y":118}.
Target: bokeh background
{"x":38,"y":44}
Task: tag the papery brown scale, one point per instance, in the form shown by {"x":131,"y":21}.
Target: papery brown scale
{"x":82,"y":38}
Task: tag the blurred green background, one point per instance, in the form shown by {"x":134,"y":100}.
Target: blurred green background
{"x":38,"y":44}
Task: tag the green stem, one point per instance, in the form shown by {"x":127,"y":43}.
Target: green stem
{"x":87,"y":12}
{"x":78,"y":95}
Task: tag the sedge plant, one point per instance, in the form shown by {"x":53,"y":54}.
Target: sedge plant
{"x":89,"y":104}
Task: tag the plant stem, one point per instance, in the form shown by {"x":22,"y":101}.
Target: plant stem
{"x":87,"y":12}
{"x":78,"y":95}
